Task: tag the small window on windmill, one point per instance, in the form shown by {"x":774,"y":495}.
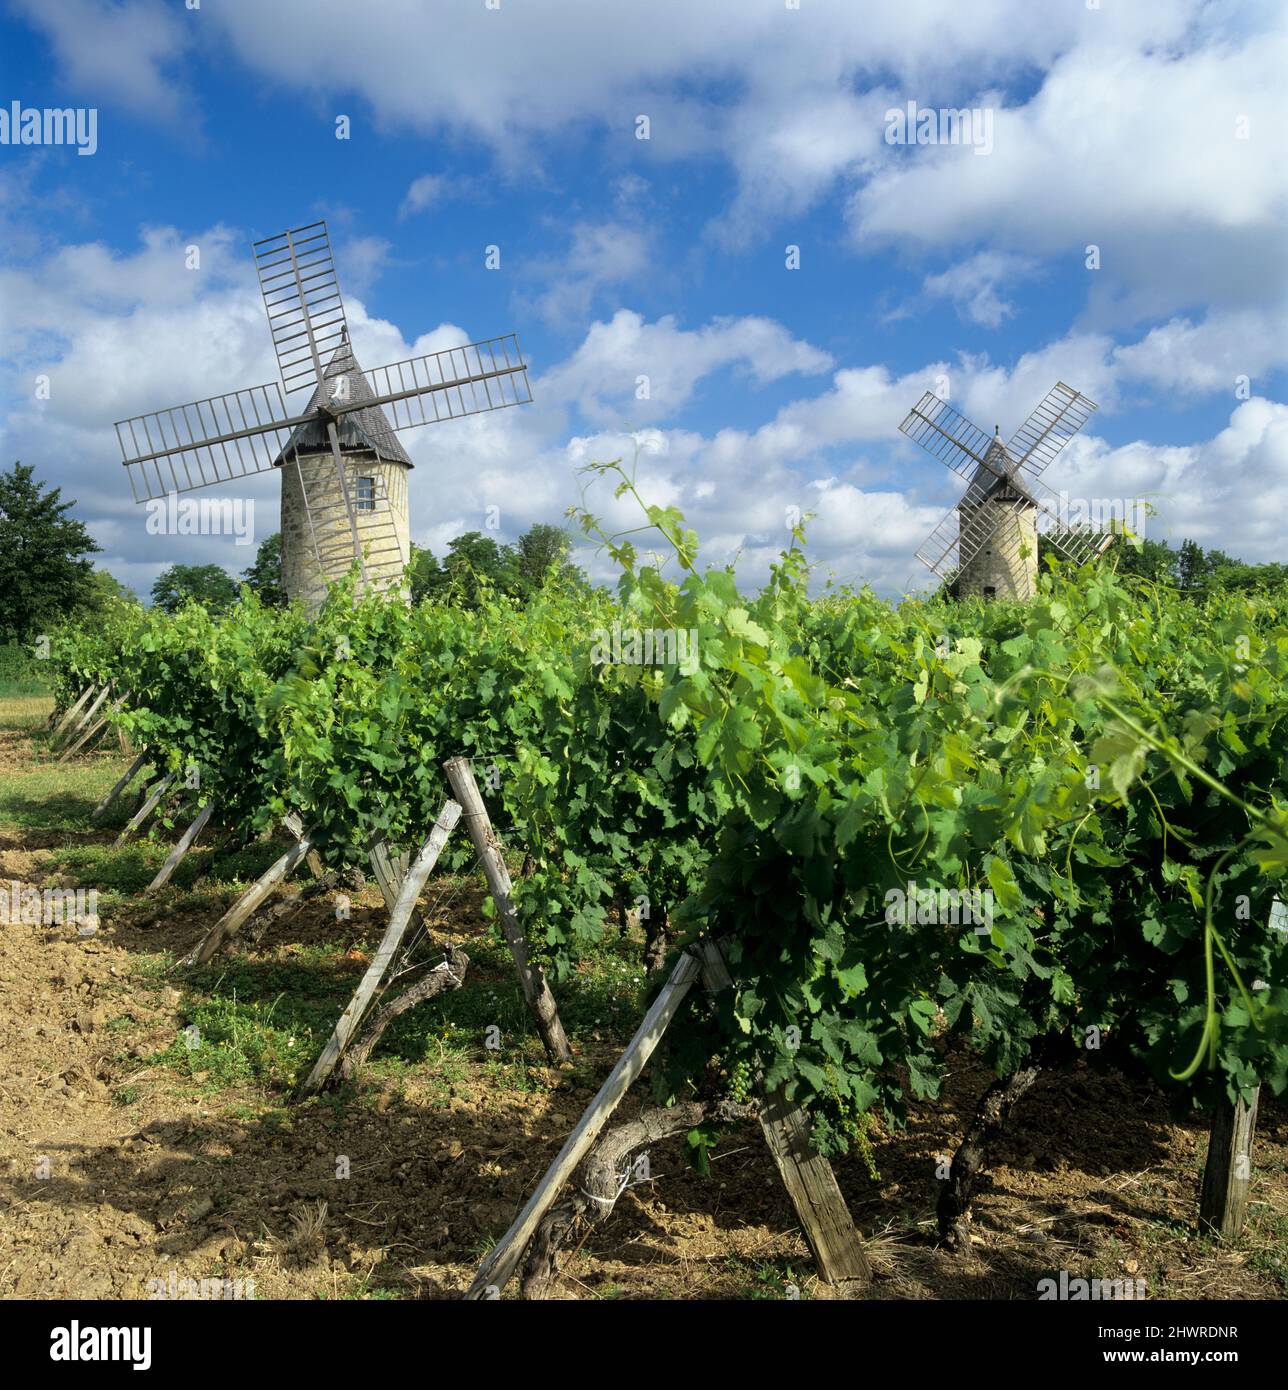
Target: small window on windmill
{"x":366,"y":494}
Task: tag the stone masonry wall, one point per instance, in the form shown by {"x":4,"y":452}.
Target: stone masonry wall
{"x":998,"y":565}
{"x":383,"y":531}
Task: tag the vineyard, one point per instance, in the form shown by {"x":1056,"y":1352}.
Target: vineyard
{"x":848,"y":850}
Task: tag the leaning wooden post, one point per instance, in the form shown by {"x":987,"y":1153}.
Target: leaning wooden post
{"x":145,"y":810}
{"x":399,"y":919}
{"x":186,"y":841}
{"x":126,"y":778}
{"x":89,"y":714}
{"x":806,"y":1174}
{"x":1227,"y":1174}
{"x":535,"y":989}
{"x":70,"y":713}
{"x":496,"y":1269}
{"x":389,"y":870}
{"x":232,"y":920}
{"x":85,"y":738}
{"x":295,"y":826}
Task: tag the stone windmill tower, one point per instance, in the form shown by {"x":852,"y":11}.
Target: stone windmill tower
{"x":987,"y":545}
{"x":317,"y":542}
{"x":998,"y":510}
{"x":344,"y":472}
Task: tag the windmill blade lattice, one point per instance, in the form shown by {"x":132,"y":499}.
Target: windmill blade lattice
{"x":1005,"y":506}
{"x":301,"y":293}
{"x":1060,"y":415}
{"x":457,"y":381}
{"x":216,"y":440}
{"x":947,"y":435}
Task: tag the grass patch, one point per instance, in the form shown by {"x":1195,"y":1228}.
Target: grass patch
{"x":229,"y":1042}
{"x":1268,"y":1238}
{"x":24,"y":705}
{"x":52,"y":796}
{"x":128,"y":869}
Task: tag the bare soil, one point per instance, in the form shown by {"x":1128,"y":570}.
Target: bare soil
{"x":118,"y":1170}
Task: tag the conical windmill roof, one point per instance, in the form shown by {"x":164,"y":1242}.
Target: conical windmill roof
{"x":986,"y":477}
{"x":366,"y":429}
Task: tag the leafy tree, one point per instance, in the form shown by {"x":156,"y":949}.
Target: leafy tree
{"x":1154,"y":560}
{"x":43,"y":575}
{"x":541,"y":548}
{"x":210,"y":585}
{"x":102,"y":590}
{"x":265,"y":575}
{"x":476,"y":553}
{"x":1191,"y":565}
{"x":475,"y":561}
{"x":425,"y":576}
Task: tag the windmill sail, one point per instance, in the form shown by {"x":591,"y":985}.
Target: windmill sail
{"x":457,"y":381}
{"x":225,"y":438}
{"x":1060,"y":415}
{"x":989,"y":540}
{"x":301,"y":295}
{"x":947,"y":435}
{"x":216,"y":440}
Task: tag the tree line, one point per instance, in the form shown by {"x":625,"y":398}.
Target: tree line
{"x":47,"y":574}
{"x":1186,"y":566}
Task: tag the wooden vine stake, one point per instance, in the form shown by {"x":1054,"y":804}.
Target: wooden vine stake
{"x":56,"y":716}
{"x":126,"y":778}
{"x":69,"y":714}
{"x":232,"y":920}
{"x":535,"y":989}
{"x":1223,"y":1199}
{"x":87,"y":718}
{"x":807,"y":1175}
{"x":399,"y":918}
{"x":295,"y":826}
{"x":390,"y":870}
{"x":144,"y":811}
{"x":186,"y":841}
{"x":91,"y":732}
{"x":497,"y":1268}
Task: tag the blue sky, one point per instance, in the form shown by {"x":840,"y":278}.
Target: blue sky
{"x":1152,"y":132}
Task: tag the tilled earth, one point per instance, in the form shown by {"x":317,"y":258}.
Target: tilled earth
{"x":121,"y":1176}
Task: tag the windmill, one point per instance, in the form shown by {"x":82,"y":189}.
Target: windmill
{"x":987,"y":545}
{"x":344,"y":471}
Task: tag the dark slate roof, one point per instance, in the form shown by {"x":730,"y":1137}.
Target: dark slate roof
{"x":367,"y":429}
{"x":986,"y":477}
